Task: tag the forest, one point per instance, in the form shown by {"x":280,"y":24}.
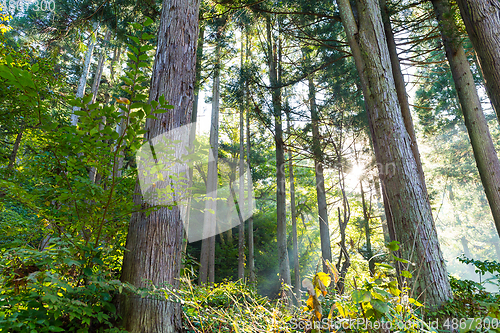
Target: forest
{"x":249,"y":166}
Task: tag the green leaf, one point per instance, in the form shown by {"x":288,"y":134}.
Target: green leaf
{"x":359,"y":296}
{"x":406,"y":274}
{"x":393,"y":246}
{"x":383,"y":265}
{"x":135,"y":39}
{"x":379,"y":305}
{"x":147,"y":36}
{"x":148,"y":22}
{"x":87,"y":99}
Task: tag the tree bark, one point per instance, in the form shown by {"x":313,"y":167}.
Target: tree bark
{"x":482,"y":20}
{"x":80,"y":92}
{"x":401,"y":87}
{"x":154,"y":240}
{"x":406,"y":194}
{"x":477,"y":127}
{"x":324,"y":230}
{"x":272,"y":53}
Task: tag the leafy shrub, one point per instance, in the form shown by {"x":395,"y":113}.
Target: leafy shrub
{"x":60,"y":289}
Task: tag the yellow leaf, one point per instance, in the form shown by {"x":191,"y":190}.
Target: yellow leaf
{"x":122,"y":100}
{"x":310,"y":302}
{"x":325,"y":278}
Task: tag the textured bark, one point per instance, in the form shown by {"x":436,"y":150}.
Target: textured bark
{"x":477,"y":127}
{"x":80,"y":92}
{"x":326,"y":250}
{"x":272,"y":53}
{"x":405,"y":191}
{"x":207,"y":256}
{"x":154,"y":241}
{"x":296,"y":268}
{"x":482,"y":20}
{"x":401,"y":87}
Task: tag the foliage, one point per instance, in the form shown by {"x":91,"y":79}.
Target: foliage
{"x":62,"y":288}
{"x":230,"y":307}
{"x":65,"y":206}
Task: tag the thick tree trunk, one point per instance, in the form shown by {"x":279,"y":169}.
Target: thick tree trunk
{"x":284,"y":265}
{"x":296,"y":268}
{"x":477,"y":127}
{"x":324,"y":230}
{"x":401,"y":87}
{"x":207,"y":257}
{"x":80,"y":92}
{"x":482,"y":20}
{"x":154,"y":240}
{"x":406,"y":194}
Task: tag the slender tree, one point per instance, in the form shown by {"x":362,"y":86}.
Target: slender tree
{"x":207,"y":257}
{"x":296,"y":268}
{"x":241,"y":200}
{"x":80,"y":92}
{"x":273,"y":50}
{"x":154,"y":240}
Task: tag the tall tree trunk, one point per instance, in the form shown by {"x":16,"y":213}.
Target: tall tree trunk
{"x":284,"y":265}
{"x":324,"y":230}
{"x":80,"y":92}
{"x":15,"y":148}
{"x":207,"y":257}
{"x":100,"y":66}
{"x":194,"y":117}
{"x":401,"y":87}
{"x":482,"y":20}
{"x":154,"y":240}
{"x":477,"y":127}
{"x":251,"y":265}
{"x":241,"y":200}
{"x":296,"y":268}
{"x":406,"y":194}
